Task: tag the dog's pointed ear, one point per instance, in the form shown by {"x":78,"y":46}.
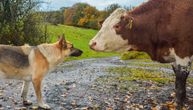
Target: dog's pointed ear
{"x":64,"y":38}
{"x":61,"y":42}
{"x":59,"y":37}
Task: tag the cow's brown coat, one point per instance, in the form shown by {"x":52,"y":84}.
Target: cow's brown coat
{"x":159,"y":25}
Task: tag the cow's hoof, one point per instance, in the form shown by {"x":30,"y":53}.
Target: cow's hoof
{"x":27,"y":103}
{"x":45,"y":106}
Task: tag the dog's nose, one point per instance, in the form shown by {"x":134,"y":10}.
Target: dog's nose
{"x":92,"y":45}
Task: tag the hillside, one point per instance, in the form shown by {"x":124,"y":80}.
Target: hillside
{"x":79,"y":37}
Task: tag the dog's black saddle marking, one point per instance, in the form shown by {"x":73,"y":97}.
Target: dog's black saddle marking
{"x":13,"y":56}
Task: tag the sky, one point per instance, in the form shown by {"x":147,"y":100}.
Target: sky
{"x":99,"y":4}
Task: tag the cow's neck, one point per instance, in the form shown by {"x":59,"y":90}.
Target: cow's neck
{"x":143,"y":38}
{"x":144,"y":31}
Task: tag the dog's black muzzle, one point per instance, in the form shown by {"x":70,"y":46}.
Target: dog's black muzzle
{"x":76,"y":52}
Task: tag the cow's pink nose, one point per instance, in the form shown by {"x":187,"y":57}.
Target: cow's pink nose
{"x":93,"y":45}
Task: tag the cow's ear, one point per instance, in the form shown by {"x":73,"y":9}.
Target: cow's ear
{"x":130,"y":23}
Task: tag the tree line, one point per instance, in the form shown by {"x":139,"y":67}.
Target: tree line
{"x":81,"y":15}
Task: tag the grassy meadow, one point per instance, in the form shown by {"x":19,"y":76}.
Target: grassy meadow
{"x":80,"y":37}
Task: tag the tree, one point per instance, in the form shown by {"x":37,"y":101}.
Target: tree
{"x":68,"y":16}
{"x":109,"y":9}
{"x":74,"y":14}
{"x":81,"y":14}
{"x":128,"y":8}
{"x":90,"y":18}
{"x":53,"y":17}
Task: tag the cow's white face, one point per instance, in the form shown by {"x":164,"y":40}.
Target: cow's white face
{"x":106,"y":39}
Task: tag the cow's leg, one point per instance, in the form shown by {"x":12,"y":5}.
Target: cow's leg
{"x":181,"y":73}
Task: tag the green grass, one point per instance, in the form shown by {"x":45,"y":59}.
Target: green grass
{"x":153,"y":65}
{"x":79,"y":37}
{"x":134,"y":55}
{"x":131,"y":74}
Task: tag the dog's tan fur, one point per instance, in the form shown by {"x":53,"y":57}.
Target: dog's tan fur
{"x":31,"y":64}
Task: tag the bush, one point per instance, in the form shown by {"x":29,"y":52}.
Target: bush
{"x":35,"y":32}
{"x":18,"y":23}
{"x":134,"y":55}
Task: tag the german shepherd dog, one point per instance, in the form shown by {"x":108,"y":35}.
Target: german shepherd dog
{"x":32,"y":63}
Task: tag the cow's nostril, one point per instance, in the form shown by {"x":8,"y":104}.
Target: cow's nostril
{"x":93,"y":45}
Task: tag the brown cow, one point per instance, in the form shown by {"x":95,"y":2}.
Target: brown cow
{"x":162,"y":28}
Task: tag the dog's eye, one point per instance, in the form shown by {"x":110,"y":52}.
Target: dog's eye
{"x":65,"y":46}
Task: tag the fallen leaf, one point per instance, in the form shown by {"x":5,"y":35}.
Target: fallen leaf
{"x":173,"y":94}
{"x":90,"y":98}
{"x":73,"y":103}
{"x":109,"y":108}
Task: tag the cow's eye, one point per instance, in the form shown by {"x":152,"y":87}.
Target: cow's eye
{"x":122,"y":17}
{"x":116,"y":26}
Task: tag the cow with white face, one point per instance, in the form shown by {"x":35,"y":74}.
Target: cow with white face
{"x":106,"y":39}
{"x":161,"y":28}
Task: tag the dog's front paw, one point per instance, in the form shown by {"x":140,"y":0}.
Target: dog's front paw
{"x":27,"y":103}
{"x":44,"y":106}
